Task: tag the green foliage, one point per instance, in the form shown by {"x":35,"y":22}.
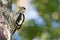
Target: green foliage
{"x":29,"y":32}
{"x":46,"y":8}
{"x":49,"y":10}
{"x":14,"y":1}
{"x":33,"y":30}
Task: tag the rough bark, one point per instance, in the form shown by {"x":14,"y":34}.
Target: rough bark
{"x":4,"y":28}
{"x":5,"y":20}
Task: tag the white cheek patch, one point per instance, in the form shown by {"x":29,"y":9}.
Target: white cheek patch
{"x":22,"y":10}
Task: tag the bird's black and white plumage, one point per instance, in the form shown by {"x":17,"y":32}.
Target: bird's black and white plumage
{"x":20,"y":20}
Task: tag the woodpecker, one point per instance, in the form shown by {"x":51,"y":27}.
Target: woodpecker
{"x":20,"y":19}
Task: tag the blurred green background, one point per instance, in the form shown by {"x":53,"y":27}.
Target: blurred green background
{"x":47,"y":26}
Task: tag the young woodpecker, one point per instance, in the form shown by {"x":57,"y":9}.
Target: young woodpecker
{"x":20,"y":19}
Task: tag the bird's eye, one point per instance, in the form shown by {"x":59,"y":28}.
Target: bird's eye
{"x":24,"y":8}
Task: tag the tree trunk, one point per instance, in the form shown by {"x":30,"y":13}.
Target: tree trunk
{"x":5,"y":19}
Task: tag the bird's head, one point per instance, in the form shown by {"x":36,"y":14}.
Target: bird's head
{"x":22,"y":9}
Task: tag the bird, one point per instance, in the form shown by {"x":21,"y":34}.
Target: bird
{"x":20,"y":19}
